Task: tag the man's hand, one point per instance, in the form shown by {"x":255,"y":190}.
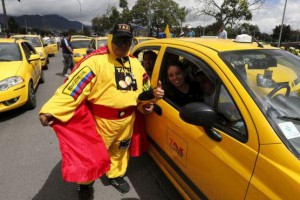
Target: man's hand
{"x":46,"y":119}
{"x":158,"y":92}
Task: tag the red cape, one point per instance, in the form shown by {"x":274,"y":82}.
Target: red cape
{"x":84,"y":154}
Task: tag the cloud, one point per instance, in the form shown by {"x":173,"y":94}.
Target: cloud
{"x":269,"y":16}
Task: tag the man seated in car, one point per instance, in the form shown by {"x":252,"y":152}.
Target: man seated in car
{"x":225,"y":106}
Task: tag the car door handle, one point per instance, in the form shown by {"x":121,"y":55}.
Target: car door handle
{"x":157,"y":109}
{"x":213,"y":134}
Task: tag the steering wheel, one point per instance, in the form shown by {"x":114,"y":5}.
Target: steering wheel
{"x":279,"y":87}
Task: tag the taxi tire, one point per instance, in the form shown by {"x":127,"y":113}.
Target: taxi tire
{"x":31,"y":101}
{"x":42,"y":79}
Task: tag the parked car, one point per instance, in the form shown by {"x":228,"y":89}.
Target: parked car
{"x":37,"y":43}
{"x":79,"y":36}
{"x":244,"y":141}
{"x":96,"y":43}
{"x":79,"y":48}
{"x":20,"y":74}
{"x":51,"y":46}
{"x":139,"y":39}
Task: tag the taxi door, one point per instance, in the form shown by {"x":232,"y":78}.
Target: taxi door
{"x":34,"y":65}
{"x":201,"y":167}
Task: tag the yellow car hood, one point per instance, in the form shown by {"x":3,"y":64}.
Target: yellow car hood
{"x":9,"y":69}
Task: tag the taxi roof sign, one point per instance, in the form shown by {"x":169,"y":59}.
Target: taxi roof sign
{"x":243,"y":38}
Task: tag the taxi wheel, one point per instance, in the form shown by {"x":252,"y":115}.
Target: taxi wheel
{"x":31,"y":102}
{"x":42,"y":79}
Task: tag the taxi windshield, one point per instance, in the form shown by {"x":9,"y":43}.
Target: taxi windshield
{"x":272,"y":78}
{"x":9,"y":52}
{"x":102,"y":43}
{"x":79,"y":44}
{"x":35,"y":42}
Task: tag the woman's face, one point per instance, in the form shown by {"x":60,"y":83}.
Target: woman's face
{"x":176,"y":76}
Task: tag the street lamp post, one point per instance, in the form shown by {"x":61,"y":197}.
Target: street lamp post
{"x":279,"y":40}
{"x":80,"y":16}
{"x":5,"y":18}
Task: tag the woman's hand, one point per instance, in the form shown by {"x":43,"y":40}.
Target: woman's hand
{"x":158,"y":92}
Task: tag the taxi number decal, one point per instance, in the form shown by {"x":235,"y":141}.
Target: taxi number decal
{"x":78,"y":82}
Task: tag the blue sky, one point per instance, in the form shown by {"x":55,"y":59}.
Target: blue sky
{"x":269,"y":16}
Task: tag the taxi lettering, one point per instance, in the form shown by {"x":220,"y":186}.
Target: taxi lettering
{"x":174,"y":146}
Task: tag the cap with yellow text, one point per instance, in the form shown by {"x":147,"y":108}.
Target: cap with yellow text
{"x":122,"y":30}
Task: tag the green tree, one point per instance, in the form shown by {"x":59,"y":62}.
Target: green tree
{"x":123,"y":4}
{"x":159,"y":12}
{"x":286,"y":31}
{"x":14,"y":27}
{"x":86,"y":31}
{"x":228,"y":12}
{"x":102,"y":25}
{"x":247,"y":28}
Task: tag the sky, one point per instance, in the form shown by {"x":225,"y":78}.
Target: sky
{"x":266,"y":18}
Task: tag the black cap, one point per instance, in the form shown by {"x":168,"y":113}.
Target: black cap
{"x":122,"y":30}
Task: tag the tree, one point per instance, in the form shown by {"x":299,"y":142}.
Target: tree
{"x":228,"y":12}
{"x":86,"y":31}
{"x":247,"y":28}
{"x":102,"y":25}
{"x":285,"y":36}
{"x":13,"y":25}
{"x":123,"y":4}
{"x":159,"y":12}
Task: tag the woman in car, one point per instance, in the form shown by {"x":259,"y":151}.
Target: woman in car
{"x":177,"y":88}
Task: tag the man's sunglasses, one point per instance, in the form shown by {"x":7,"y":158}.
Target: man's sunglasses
{"x":122,"y":41}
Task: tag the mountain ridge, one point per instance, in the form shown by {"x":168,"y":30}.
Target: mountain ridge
{"x":45,"y":22}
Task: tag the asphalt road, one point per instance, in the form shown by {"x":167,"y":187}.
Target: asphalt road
{"x":30,"y":160}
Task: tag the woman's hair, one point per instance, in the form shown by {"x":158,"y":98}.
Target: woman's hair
{"x":176,"y":64}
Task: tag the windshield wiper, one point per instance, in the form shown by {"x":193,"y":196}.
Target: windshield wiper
{"x":289,"y":117}
{"x":6,"y":60}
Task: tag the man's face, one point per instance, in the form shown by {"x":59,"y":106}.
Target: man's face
{"x":148,"y":61}
{"x":121,"y":46}
{"x":205,"y":85}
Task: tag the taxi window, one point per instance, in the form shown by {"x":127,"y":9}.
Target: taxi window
{"x":204,"y":86}
{"x":147,"y":57}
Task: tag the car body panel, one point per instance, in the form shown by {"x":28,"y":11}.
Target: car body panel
{"x":236,"y":168}
{"x":29,"y":71}
{"x":51,"y":46}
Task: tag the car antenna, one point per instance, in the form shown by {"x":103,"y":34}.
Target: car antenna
{"x":255,"y":40}
{"x":258,"y":44}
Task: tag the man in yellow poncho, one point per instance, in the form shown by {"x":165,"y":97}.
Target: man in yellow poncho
{"x":102,"y":91}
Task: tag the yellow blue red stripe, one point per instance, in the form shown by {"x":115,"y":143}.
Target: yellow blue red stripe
{"x":78,"y":82}
{"x":81,"y":85}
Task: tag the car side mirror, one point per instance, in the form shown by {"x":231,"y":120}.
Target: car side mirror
{"x":34,"y":57}
{"x":44,"y":45}
{"x":201,"y":114}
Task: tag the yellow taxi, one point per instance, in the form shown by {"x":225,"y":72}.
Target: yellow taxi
{"x":243,"y":140}
{"x":96,"y":43}
{"x":50,"y":46}
{"x":139,"y":39}
{"x":37,"y":43}
{"x":80,"y":46}
{"x":79,"y":36}
{"x":20,"y":74}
